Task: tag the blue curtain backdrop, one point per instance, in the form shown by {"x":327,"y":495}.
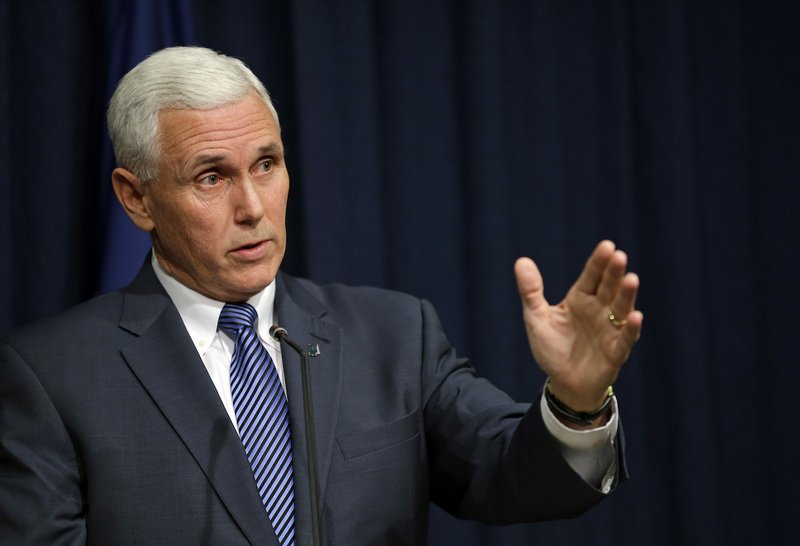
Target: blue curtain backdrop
{"x":432,"y":142}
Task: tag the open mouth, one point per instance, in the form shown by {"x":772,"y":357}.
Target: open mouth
{"x":253,"y":250}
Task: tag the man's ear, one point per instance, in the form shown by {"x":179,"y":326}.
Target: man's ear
{"x":130,"y":194}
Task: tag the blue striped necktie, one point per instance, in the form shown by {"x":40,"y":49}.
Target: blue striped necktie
{"x":262,"y":413}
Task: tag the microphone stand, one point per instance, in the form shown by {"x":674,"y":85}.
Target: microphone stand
{"x":281,"y":334}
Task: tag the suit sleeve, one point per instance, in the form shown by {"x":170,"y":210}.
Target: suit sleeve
{"x":40,"y":493}
{"x":491,"y":459}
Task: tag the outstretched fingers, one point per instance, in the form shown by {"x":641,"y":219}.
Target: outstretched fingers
{"x":529,"y":283}
{"x":629,"y":335}
{"x":592,"y":274}
{"x":611,"y":282}
{"x":623,"y":300}
{"x":623,"y":309}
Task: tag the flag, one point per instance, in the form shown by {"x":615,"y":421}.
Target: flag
{"x":141,"y":28}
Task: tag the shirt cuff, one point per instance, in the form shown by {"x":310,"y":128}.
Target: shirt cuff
{"x":590,"y":453}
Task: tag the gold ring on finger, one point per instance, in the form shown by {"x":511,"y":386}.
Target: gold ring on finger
{"x":617,"y":322}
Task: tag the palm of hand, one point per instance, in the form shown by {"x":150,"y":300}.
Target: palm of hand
{"x":574,"y":342}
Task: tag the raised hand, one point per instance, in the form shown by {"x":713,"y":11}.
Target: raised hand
{"x":582,"y":342}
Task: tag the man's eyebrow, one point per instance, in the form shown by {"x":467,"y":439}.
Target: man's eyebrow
{"x":202,"y":160}
{"x":271,"y":148}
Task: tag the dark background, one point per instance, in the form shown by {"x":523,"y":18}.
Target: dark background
{"x":431,"y":143}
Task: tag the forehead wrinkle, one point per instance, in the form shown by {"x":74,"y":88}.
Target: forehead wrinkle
{"x":216,"y":120}
{"x":193,"y":134}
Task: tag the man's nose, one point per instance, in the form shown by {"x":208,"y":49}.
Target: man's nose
{"x":247,"y":201}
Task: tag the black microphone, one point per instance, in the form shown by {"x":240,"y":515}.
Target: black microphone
{"x":281,"y":334}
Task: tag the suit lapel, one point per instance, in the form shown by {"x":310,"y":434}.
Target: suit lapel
{"x":169,"y":368}
{"x":302,"y":316}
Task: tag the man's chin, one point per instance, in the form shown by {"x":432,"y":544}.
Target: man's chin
{"x":248,"y":288}
{"x":242,"y":286}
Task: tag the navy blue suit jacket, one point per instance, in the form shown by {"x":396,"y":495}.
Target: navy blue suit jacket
{"x":111,"y":431}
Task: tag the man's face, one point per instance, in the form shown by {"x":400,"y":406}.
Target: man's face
{"x":218,"y":206}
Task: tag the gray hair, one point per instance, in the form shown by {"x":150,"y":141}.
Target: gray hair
{"x":175,"y":77}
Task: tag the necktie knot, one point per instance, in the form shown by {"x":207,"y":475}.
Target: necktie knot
{"x":235,"y":316}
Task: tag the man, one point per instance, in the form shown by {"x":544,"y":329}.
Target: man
{"x":167,"y":414}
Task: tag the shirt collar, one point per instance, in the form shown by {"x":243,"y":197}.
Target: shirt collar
{"x":200,"y":314}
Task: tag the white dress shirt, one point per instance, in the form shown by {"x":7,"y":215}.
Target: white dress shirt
{"x":589,"y":452}
{"x":200,"y":315}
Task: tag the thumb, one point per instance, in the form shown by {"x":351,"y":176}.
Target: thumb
{"x":529,"y":284}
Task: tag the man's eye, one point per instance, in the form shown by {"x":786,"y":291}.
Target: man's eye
{"x":209,"y":180}
{"x":266,"y":165}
